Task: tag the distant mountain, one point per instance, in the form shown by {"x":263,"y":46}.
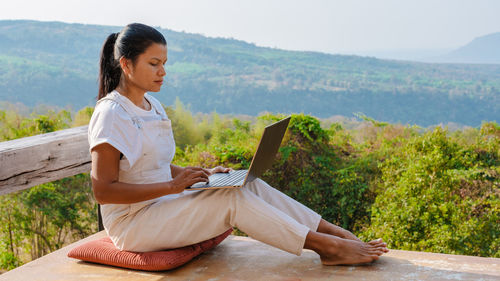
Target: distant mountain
{"x":484,"y":49}
{"x":57,"y":63}
{"x":420,"y":55}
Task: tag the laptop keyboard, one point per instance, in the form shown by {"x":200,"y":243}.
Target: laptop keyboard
{"x":233,"y":178}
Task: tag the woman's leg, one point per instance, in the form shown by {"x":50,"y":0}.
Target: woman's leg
{"x":296,"y":210}
{"x":284,"y":203}
{"x":201,"y":215}
{"x":198,"y":216}
{"x":319,"y":226}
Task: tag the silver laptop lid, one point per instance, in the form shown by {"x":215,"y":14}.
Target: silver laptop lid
{"x":267,"y":148}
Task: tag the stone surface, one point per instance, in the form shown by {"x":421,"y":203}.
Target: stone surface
{"x":242,"y":258}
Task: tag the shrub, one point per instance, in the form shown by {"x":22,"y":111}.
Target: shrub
{"x":312,"y":171}
{"x":438,"y":196}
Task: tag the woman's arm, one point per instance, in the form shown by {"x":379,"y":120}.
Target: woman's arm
{"x":108,"y":190}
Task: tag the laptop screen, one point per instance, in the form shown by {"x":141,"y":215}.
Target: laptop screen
{"x":267,"y":148}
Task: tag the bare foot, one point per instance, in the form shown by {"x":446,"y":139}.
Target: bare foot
{"x":334,"y":250}
{"x":348,"y":251}
{"x":332,"y":229}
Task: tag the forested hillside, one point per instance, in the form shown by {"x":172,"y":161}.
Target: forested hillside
{"x":56,"y":63}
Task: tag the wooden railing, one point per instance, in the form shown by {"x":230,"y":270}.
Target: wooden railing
{"x":30,"y":161}
{"x":35,"y":160}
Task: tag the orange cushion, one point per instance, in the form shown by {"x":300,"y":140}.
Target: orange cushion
{"x":103,"y":251}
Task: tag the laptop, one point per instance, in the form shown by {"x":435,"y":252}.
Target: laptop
{"x":261,"y":161}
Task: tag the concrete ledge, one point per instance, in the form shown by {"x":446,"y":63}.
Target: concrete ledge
{"x":242,"y":258}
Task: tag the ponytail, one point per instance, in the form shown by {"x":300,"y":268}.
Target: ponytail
{"x":109,"y":69}
{"x":132,"y":41}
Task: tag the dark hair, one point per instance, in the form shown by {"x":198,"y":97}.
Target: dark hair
{"x":132,"y":41}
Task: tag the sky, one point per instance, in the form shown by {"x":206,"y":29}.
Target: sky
{"x":331,"y":26}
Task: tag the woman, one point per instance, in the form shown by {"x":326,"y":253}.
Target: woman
{"x":144,"y":205}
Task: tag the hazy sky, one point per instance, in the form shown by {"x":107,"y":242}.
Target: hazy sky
{"x":333,"y":26}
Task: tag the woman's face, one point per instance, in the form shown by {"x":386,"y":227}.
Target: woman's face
{"x":149,"y":68}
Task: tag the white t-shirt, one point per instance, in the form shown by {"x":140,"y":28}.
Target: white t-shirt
{"x":112,"y":124}
{"x":143,"y":137}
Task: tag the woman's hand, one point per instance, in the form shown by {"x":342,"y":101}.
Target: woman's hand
{"x":218,"y":169}
{"x":187,"y":177}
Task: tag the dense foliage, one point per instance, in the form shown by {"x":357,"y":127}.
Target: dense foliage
{"x":438,"y":195}
{"x":419,"y":189}
{"x":231,"y":76}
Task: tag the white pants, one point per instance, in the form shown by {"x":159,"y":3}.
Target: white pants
{"x":257,"y":209}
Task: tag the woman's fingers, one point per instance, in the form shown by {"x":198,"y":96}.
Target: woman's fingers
{"x":191,"y":176}
{"x":208,"y":172}
{"x":220,"y":169}
{"x":204,"y":175}
{"x":194,"y":168}
{"x":198,"y":170}
{"x":199,"y":175}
